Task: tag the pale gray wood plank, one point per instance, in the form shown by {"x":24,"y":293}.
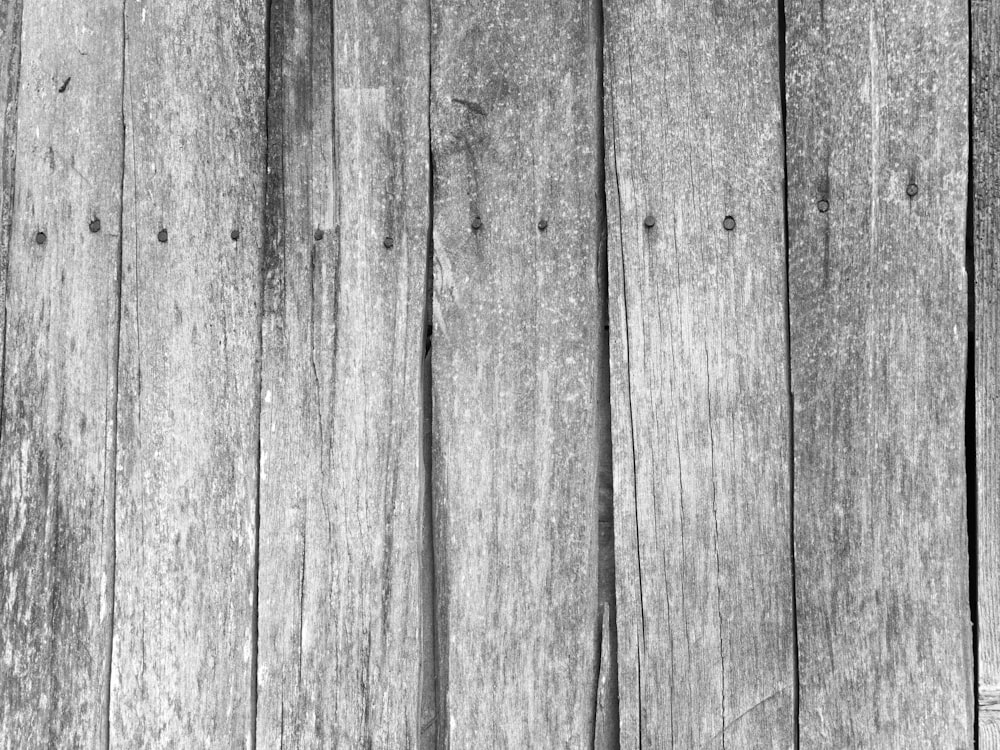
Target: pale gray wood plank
{"x":514,"y":135}
{"x":699,"y":395}
{"x":341,"y":487}
{"x":188,"y":430}
{"x":57,"y":445}
{"x":876,"y":98}
{"x":986,"y":222}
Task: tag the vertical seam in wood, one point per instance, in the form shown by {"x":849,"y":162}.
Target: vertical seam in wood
{"x":971,"y":445}
{"x":783,"y":94}
{"x":111,"y":499}
{"x":6,"y":222}
{"x":606,"y":573}
{"x":262,"y":271}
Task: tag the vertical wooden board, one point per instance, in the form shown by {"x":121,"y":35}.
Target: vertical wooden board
{"x":876,"y":96}
{"x":182,"y":668}
{"x":57,"y":447}
{"x":341,"y":493}
{"x":514,"y":137}
{"x":986,"y":234}
{"x":698,"y":375}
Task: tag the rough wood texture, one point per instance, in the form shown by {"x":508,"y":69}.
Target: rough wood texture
{"x":188,"y":427}
{"x":876,"y":102}
{"x":698,"y":375}
{"x":341,"y":490}
{"x":57,"y":447}
{"x":986,"y":228}
{"x":514,"y":135}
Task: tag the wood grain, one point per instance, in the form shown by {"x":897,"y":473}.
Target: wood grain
{"x":985,"y":62}
{"x":876,"y":102}
{"x":190,"y":345}
{"x":698,"y":375}
{"x":60,"y":380}
{"x":341,"y":488}
{"x":514,"y":137}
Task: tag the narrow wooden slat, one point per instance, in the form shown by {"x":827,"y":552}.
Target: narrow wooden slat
{"x":514,"y":140}
{"x":698,"y":375}
{"x":189,"y":372}
{"x":57,"y":446}
{"x":876,"y":102}
{"x":986,"y":234}
{"x":341,"y":491}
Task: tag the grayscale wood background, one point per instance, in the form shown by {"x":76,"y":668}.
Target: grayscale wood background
{"x":446,"y":374}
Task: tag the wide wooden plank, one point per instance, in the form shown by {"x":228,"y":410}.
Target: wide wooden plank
{"x":60,"y":379}
{"x":985,"y":147}
{"x":699,"y":392}
{"x":515,"y":143}
{"x":182,"y":667}
{"x":877,"y":150}
{"x":341,"y":492}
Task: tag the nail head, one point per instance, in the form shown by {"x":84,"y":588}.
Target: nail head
{"x":387,"y":242}
{"x":95,"y":226}
{"x":162,"y":235}
{"x":542,"y":225}
{"x":477,"y":223}
{"x":318,"y":235}
{"x":40,"y":238}
{"x":823,"y":205}
{"x":912,"y":189}
{"x":235,"y":234}
{"x":729,"y":223}
{"x":649,"y":222}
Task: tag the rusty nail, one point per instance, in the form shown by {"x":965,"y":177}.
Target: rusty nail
{"x":649,"y":222}
{"x":729,"y":223}
{"x":912,"y":189}
{"x":542,"y":225}
{"x":477,"y":223}
{"x":40,"y":238}
{"x":162,"y":235}
{"x":318,"y":235}
{"x":387,"y":242}
{"x":235,"y":234}
{"x":823,"y":205}
{"x":95,"y":226}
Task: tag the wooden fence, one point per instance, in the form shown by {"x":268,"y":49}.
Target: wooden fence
{"x":503,"y":374}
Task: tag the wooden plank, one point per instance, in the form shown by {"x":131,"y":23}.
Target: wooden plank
{"x":985,"y":50}
{"x":60,"y":380}
{"x":514,"y":137}
{"x":698,"y":375}
{"x":877,"y":102}
{"x":341,"y":490}
{"x":195,"y":92}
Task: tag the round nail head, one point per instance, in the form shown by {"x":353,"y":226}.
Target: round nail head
{"x":235,"y":234}
{"x":387,"y":242}
{"x":162,"y":235}
{"x":477,"y":223}
{"x":649,"y":222}
{"x":95,"y":226}
{"x":542,"y":225}
{"x":40,"y":238}
{"x":823,"y":206}
{"x":729,"y":223}
{"x":318,"y":235}
{"x":912,"y":190}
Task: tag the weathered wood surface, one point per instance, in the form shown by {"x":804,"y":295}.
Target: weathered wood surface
{"x":57,"y":433}
{"x":698,"y":376}
{"x":341,"y":490}
{"x":514,"y":135}
{"x":985,"y":229}
{"x":876,"y":101}
{"x":182,"y":671}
